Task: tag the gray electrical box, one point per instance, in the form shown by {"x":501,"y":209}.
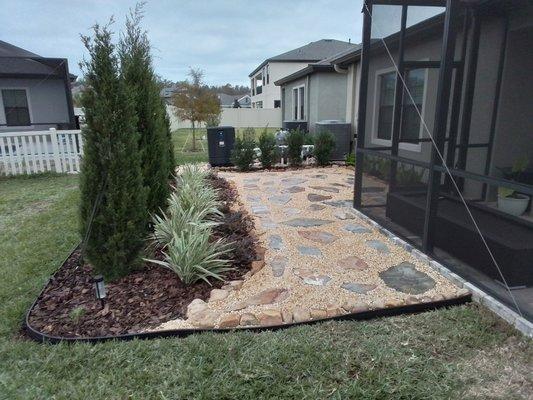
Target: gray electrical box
{"x":341,"y":131}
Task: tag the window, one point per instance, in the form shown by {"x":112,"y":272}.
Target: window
{"x":298,"y":102}
{"x":410,"y":119}
{"x":259,"y":104}
{"x":267,"y":74}
{"x":387,"y":83}
{"x":16,"y":107}
{"x":277,"y":103}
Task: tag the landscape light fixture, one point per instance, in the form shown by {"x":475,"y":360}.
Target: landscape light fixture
{"x":99,"y":288}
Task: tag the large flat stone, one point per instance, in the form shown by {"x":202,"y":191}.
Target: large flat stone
{"x":354,"y":228}
{"x":316,"y":207}
{"x":405,"y":278}
{"x":310,"y":251}
{"x":328,"y":189}
{"x":260,"y":209}
{"x":306,"y":222}
{"x":280,"y":199}
{"x":278,"y":264}
{"x":359,"y":288}
{"x":275,"y":242}
{"x":378,"y":245}
{"x":292,"y":181}
{"x":251,"y":186}
{"x":314,"y":197}
{"x":339,"y":203}
{"x":293,"y":189}
{"x":269,"y":296}
{"x":353,"y":263}
{"x":253,"y":198}
{"x":292,"y":211}
{"x":312,"y":278}
{"x":318,"y":236}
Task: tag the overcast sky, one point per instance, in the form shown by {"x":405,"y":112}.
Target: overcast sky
{"x":225,"y":38}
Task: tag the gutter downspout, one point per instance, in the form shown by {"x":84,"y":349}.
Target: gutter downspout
{"x":339,"y":69}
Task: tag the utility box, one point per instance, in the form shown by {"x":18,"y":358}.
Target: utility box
{"x":342,"y":134}
{"x":220,"y":142}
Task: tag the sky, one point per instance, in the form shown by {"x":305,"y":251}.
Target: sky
{"x":227,"y":39}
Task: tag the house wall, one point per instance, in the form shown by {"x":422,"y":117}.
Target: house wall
{"x":325,"y":94}
{"x":47,"y":102}
{"x":277,"y":70}
{"x":353,"y":77}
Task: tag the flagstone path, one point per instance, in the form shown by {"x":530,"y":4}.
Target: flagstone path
{"x":321,"y":259}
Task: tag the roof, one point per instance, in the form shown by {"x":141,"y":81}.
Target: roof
{"x":325,"y":65}
{"x":226,"y":99}
{"x":312,"y":52}
{"x":15,"y":61}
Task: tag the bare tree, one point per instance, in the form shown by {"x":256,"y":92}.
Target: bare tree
{"x":193,"y":101}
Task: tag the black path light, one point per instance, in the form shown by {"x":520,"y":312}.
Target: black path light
{"x":99,"y":288}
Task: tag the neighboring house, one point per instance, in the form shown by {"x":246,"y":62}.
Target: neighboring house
{"x":34,"y":91}
{"x":226,"y":100}
{"x":476,"y":102}
{"x":245,"y":101}
{"x":264,"y":93}
{"x":166,"y":94}
{"x":317,"y":92}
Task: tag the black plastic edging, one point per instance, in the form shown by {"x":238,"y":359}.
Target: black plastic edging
{"x":366,"y":315}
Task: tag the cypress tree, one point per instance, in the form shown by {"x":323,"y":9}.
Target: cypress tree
{"x":154,"y":141}
{"x":112,"y":210}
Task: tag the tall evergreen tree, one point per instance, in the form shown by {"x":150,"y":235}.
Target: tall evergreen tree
{"x":112,"y":212}
{"x":157,"y":159}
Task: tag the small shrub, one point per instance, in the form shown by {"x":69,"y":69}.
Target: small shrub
{"x":324,"y":145}
{"x":243,"y":153}
{"x":269,"y":150}
{"x":295,"y":141}
{"x":248,"y":133}
{"x":193,"y":257}
{"x":350,"y":159}
{"x":77,"y":314}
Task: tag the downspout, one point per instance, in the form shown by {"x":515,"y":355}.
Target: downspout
{"x":340,"y":70}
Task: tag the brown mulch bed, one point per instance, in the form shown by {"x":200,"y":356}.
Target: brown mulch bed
{"x":143,"y":299}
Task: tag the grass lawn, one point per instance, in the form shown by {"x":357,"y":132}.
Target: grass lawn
{"x":464,"y":352}
{"x":182,"y":140}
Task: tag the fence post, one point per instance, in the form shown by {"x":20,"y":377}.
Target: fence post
{"x":55,"y":147}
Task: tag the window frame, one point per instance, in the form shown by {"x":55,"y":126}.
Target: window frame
{"x":300,"y":114}
{"x":3,"y":121}
{"x":415,"y":147}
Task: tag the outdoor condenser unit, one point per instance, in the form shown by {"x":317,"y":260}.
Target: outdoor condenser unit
{"x":220,"y":142}
{"x":293,"y":125}
{"x":341,"y":131}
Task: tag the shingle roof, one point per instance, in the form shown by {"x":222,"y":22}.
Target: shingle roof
{"x":10,"y":50}
{"x":312,"y":52}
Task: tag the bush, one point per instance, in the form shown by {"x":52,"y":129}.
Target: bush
{"x":295,"y":141}
{"x":269,"y":150}
{"x":243,"y":153}
{"x":193,"y":257}
{"x":113,"y":217}
{"x":350,"y":159}
{"x":324,"y":145}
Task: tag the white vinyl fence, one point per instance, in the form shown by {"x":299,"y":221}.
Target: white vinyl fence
{"x":32,"y":152}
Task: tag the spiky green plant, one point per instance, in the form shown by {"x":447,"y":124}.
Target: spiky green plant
{"x":193,"y":257}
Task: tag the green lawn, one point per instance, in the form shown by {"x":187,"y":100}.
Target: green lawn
{"x":182,"y":140}
{"x":464,"y":352}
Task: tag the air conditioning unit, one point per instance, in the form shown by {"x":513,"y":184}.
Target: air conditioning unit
{"x":342,"y":133}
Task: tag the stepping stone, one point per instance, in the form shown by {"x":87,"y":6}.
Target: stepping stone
{"x":359,"y":288}
{"x":316,"y":207}
{"x":271,"y":190}
{"x":275,"y":242}
{"x":260,"y":209}
{"x":378,"y":245}
{"x":325,"y":189}
{"x":338,"y":184}
{"x":306,"y":222}
{"x":250,"y":180}
{"x":405,"y":278}
{"x":343,"y":215}
{"x":268,"y":224}
{"x":292,"y":181}
{"x":292,"y":211}
{"x":268,"y":183}
{"x":251,"y":186}
{"x":269,"y":296}
{"x":340,"y":203}
{"x":318,"y":236}
{"x":319,"y":176}
{"x":354,"y":228}
{"x":293,"y":189}
{"x":317,"y":197}
{"x":312,"y":278}
{"x":278,"y":264}
{"x":280,"y":199}
{"x":253,"y":198}
{"x":310,"y":251}
{"x":353,"y":263}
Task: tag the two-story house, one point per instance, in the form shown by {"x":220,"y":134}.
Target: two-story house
{"x":264,"y":93}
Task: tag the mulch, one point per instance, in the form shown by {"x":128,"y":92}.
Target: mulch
{"x":145,"y":298}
